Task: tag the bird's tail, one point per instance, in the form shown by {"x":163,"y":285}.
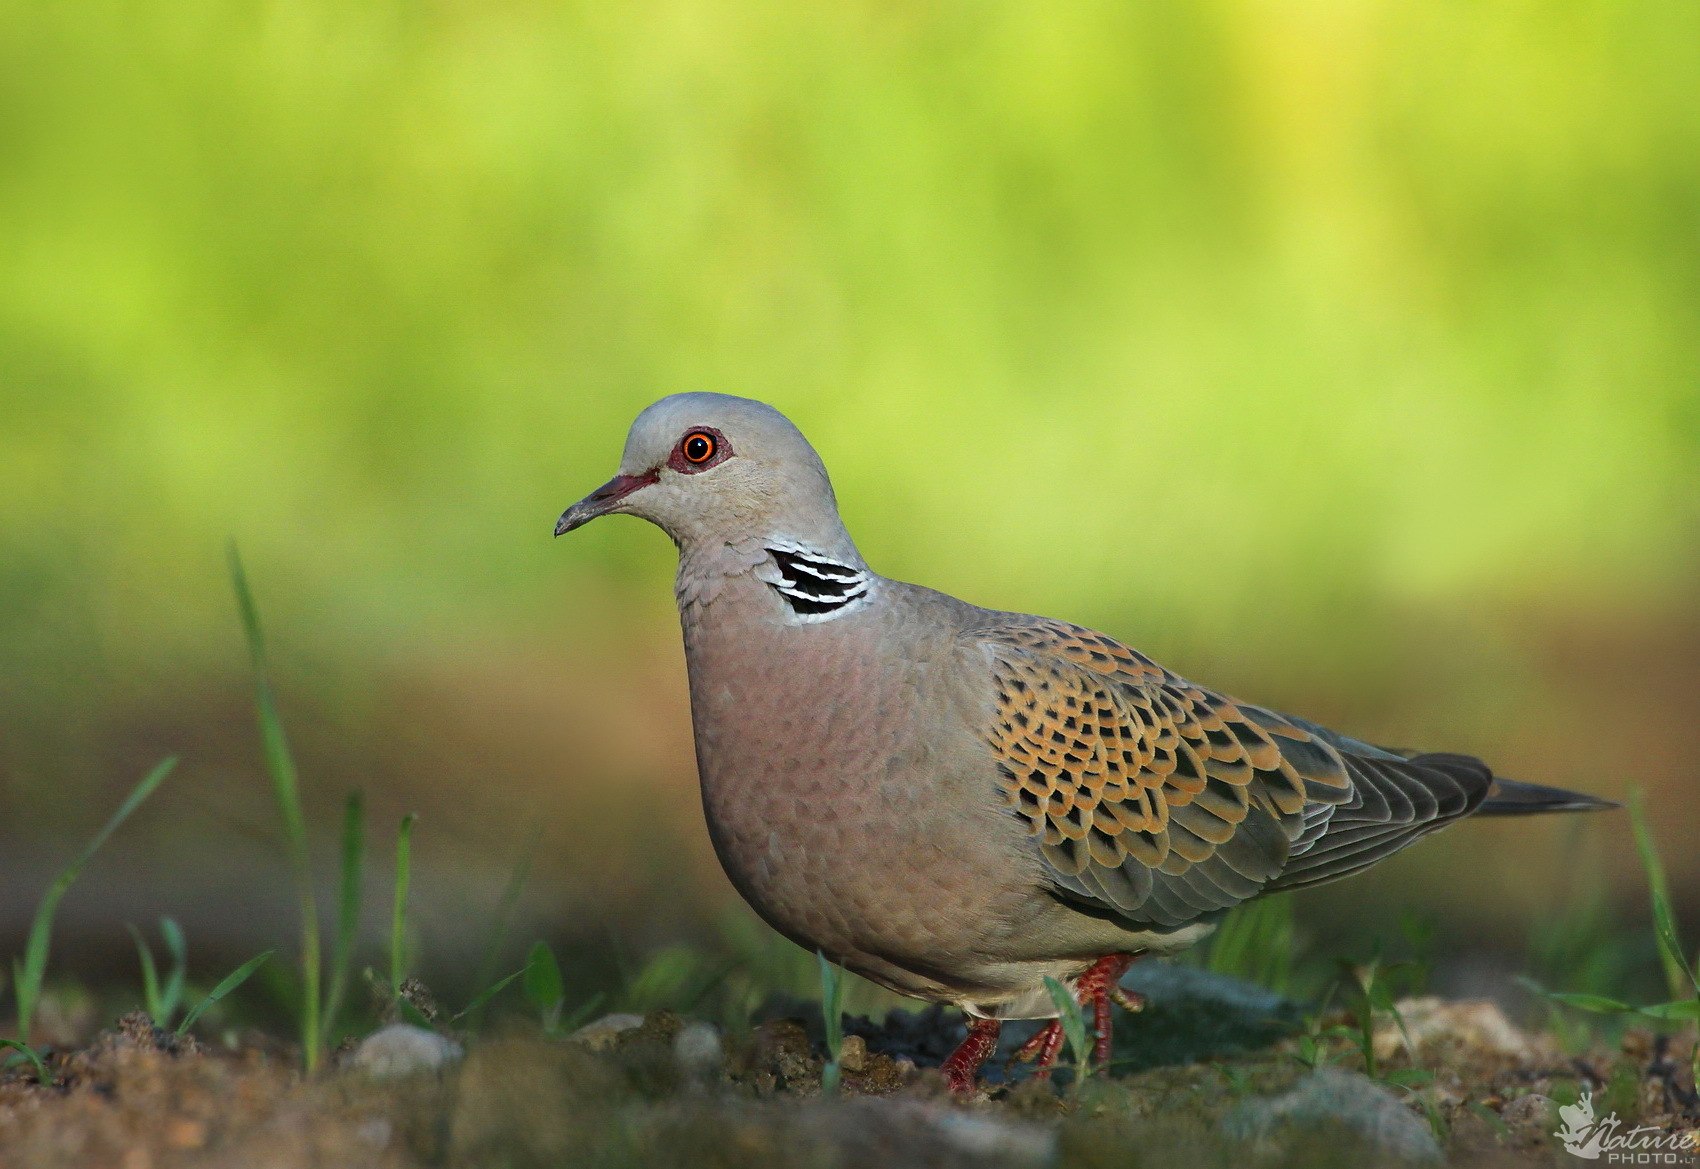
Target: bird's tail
{"x":1507,"y":797}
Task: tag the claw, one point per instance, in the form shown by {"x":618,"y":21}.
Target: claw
{"x":1127,"y":1000}
{"x":1042,"y":1049}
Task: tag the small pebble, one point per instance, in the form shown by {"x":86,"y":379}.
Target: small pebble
{"x":853,"y":1055}
{"x":601,"y":1034}
{"x":404,"y":1050}
{"x":699,"y":1052}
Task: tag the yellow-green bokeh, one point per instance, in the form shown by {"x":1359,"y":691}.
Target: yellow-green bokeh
{"x":1263,"y":334}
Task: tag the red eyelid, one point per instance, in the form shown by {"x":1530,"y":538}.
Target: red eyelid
{"x":719,"y":451}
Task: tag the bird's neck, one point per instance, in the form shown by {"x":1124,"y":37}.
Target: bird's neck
{"x":780,"y":576}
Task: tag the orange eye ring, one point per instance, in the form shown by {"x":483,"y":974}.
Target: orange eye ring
{"x":698,"y":447}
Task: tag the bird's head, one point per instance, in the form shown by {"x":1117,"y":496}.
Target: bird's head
{"x":711,"y":467}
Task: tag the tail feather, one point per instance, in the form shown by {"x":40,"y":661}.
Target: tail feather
{"x":1510,"y":798}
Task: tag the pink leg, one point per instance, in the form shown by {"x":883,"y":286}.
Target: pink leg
{"x":962,"y":1067}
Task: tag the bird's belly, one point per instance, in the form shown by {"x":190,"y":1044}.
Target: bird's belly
{"x":846,"y":874}
{"x":847,"y":832}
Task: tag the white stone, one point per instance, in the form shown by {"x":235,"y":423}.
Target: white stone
{"x":404,"y":1050}
{"x":699,"y":1052}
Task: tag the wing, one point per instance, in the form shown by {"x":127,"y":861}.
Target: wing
{"x":1159,"y":801}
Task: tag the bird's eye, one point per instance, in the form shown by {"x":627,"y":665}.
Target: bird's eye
{"x":698,"y":447}
{"x":702,"y":447}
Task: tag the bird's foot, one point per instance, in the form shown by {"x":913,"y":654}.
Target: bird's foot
{"x":961,"y":1068}
{"x":1041,"y":1048}
{"x":1096,"y":989}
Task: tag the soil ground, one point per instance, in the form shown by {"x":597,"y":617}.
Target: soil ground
{"x":665,"y":1091}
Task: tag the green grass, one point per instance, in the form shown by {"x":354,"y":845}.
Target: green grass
{"x":398,"y":905}
{"x":161,"y":1000}
{"x":832,"y":1018}
{"x":348,"y":908}
{"x":224,"y":989}
{"x":1073,"y":1018}
{"x":545,"y":989}
{"x":286,"y":793}
{"x":1256,"y":942}
{"x":30,"y":970}
{"x":1683,"y":976}
{"x":29,"y":1055}
{"x":472,"y":1013}
{"x":1679,"y":972}
{"x":485,"y":976}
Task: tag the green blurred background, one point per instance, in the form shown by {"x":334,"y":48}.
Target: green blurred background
{"x":1346,"y":356}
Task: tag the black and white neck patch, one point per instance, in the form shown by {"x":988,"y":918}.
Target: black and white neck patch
{"x":816,"y":587}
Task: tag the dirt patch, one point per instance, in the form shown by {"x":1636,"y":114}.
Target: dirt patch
{"x":672,"y":1092}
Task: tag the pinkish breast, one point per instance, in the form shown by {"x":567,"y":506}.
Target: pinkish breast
{"x":833,"y":760}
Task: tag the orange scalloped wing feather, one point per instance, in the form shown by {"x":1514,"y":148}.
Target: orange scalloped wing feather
{"x":1148,"y":795}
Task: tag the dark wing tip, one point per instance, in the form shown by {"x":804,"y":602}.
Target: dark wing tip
{"x":1511,"y":798}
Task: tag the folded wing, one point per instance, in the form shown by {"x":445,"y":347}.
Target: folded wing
{"x":1159,"y":801}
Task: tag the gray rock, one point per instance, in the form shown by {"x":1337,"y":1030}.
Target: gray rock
{"x":1171,"y":984}
{"x":404,"y":1050}
{"x":1193,"y":1014}
{"x":1339,"y":1097}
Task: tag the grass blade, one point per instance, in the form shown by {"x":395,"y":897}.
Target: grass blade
{"x":1599,"y":1004}
{"x":286,"y":790}
{"x":348,"y":906}
{"x":29,"y":973}
{"x":1682,"y":1010}
{"x":150,"y":979}
{"x":504,"y":920}
{"x":832,"y":1014}
{"x":172,"y":996}
{"x":581,"y":1016}
{"x":1255,"y":942}
{"x":1678,"y":973}
{"x":218,"y":993}
{"x":483,"y":997}
{"x":398,"y":916}
{"x":1074,"y":1026}
{"x":28,"y":1053}
{"x":544,"y":988}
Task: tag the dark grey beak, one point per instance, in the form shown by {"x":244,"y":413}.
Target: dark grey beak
{"x":601,"y":501}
